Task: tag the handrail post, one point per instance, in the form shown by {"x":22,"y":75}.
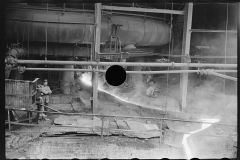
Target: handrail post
{"x":161,"y":134}
{"x":9,"y":125}
{"x":102,"y":126}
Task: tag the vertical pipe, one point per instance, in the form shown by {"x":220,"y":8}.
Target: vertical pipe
{"x":28,"y":39}
{"x":96,"y":52}
{"x":67,"y":78}
{"x":238,"y":44}
{"x":185,"y":51}
{"x":9,"y":125}
{"x":238,"y":40}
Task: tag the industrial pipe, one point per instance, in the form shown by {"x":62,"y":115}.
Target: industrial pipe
{"x":17,"y":52}
{"x":130,"y":72}
{"x":67,"y":79}
{"x":127,"y":64}
{"x":11,"y":59}
{"x":66,"y":27}
{"x":89,"y":11}
{"x":221,"y":75}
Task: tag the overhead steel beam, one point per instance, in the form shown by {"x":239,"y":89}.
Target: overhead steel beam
{"x":20,"y":61}
{"x":133,"y":9}
{"x":185,"y":52}
{"x":216,"y":31}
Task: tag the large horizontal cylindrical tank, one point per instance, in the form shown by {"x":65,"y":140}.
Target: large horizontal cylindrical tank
{"x":32,"y":24}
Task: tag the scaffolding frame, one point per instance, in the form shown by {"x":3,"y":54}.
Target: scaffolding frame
{"x":185,"y":64}
{"x":96,"y":52}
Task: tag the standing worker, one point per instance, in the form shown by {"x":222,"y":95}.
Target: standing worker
{"x":44,"y":99}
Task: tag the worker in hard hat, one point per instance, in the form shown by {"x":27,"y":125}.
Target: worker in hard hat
{"x":152,"y":89}
{"x":44,"y":98}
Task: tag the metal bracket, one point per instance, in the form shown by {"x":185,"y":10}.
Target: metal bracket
{"x":187,"y":59}
{"x":97,"y":58}
{"x":125,"y":55}
{"x":198,"y":67}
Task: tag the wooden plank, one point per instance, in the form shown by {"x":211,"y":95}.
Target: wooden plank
{"x":136,"y":126}
{"x":133,"y":9}
{"x":122,"y":125}
{"x":185,"y":51}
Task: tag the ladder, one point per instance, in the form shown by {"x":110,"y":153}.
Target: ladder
{"x":113,"y":41}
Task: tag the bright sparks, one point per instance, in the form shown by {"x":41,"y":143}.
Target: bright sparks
{"x":204,"y":126}
{"x":86,"y":78}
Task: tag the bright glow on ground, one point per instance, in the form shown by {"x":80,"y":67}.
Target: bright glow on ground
{"x":204,"y":126}
{"x":86,"y":78}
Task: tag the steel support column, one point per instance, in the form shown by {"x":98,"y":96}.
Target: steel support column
{"x":238,"y":44}
{"x":96,"y":52}
{"x":67,"y":79}
{"x":185,"y":52}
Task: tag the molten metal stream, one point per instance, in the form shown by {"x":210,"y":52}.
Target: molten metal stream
{"x":86,"y":78}
{"x":184,"y":142}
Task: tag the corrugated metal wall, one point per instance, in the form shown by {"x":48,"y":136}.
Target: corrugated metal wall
{"x":18,"y":93}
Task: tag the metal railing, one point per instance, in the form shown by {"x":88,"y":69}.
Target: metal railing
{"x":103,"y":118}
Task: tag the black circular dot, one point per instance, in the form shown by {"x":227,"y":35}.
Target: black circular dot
{"x":115,"y":75}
